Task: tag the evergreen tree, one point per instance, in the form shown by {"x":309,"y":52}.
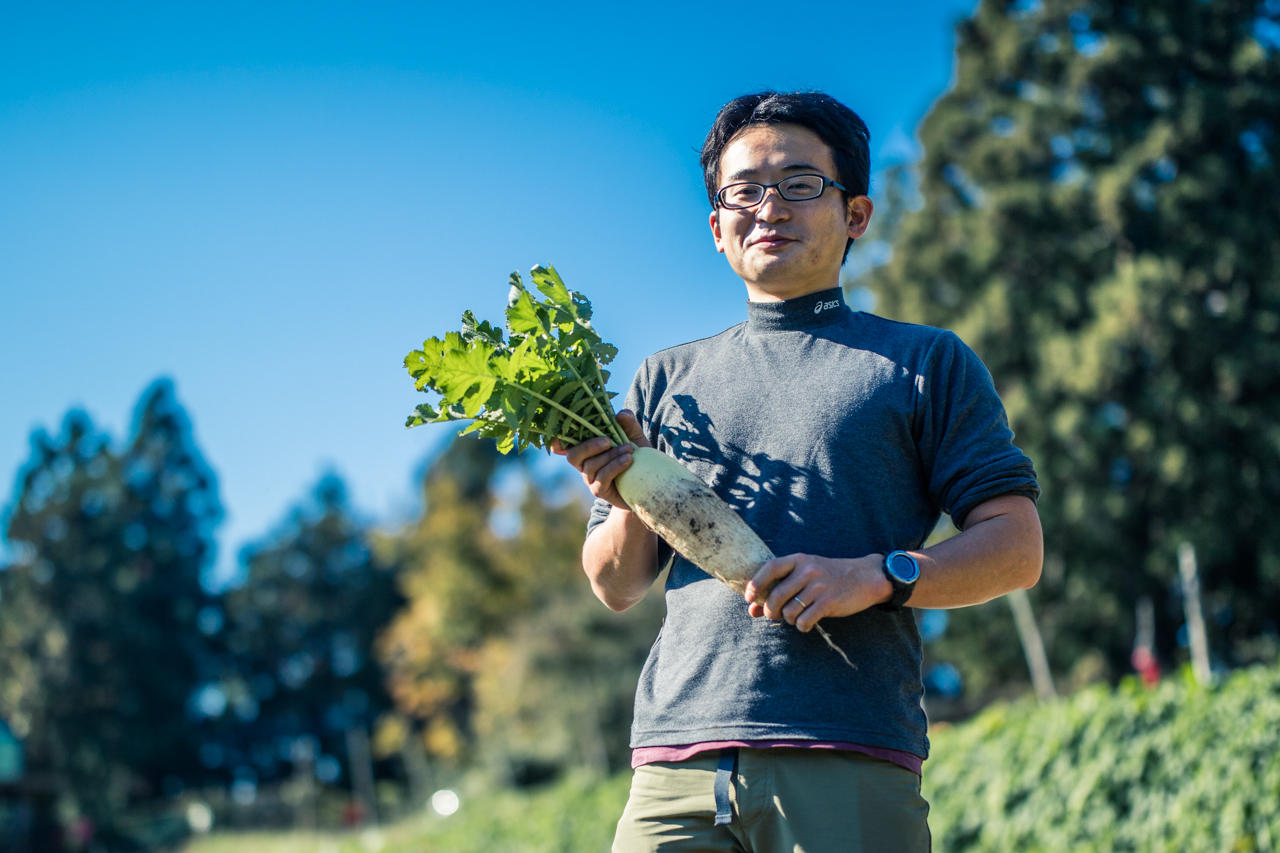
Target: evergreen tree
{"x":300,"y":672}
{"x":1099,"y":222}
{"x":169,"y":511}
{"x":54,"y":609}
{"x":99,"y":650}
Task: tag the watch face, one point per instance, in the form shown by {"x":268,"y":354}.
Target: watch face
{"x":903,"y":567}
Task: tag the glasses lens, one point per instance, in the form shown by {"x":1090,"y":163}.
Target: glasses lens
{"x":801,"y":187}
{"x":741,"y":195}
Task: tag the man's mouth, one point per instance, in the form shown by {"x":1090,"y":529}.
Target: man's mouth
{"x":771,"y":241}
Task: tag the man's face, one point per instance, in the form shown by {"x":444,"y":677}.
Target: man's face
{"x":783,"y":249}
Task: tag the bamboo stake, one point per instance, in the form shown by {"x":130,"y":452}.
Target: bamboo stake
{"x":1032,"y":645}
{"x":1197,"y":636}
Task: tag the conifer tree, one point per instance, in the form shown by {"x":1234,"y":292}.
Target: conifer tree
{"x":99,"y":646}
{"x":1099,"y":221}
{"x":299,"y":636}
{"x":169,"y":511}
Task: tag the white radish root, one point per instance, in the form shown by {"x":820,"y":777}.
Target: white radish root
{"x":693,"y":520}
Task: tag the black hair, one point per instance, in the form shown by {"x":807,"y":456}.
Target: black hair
{"x":835,"y":124}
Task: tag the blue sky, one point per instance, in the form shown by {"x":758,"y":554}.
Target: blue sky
{"x":272,"y":203}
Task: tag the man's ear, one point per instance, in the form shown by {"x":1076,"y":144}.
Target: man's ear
{"x":715,"y":228}
{"x":860,"y":209}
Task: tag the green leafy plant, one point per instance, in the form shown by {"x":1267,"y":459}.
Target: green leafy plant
{"x":1175,"y":767}
{"x":545,"y":381}
{"x":541,"y":381}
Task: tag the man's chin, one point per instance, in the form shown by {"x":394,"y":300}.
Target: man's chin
{"x":766,"y":267}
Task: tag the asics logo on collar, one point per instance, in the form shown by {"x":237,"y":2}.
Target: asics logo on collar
{"x":826,"y":306}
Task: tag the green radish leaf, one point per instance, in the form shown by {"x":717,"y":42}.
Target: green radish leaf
{"x":425,"y":414}
{"x":507,"y":442}
{"x":604,"y":353}
{"x":473,"y":330}
{"x":524,"y":363}
{"x":424,"y":361}
{"x":550,"y":284}
{"x":541,"y":381}
{"x":564,"y":392}
{"x":467,"y":378}
{"x":524,"y":318}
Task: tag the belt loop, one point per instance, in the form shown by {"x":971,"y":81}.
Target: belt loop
{"x":724,"y":776}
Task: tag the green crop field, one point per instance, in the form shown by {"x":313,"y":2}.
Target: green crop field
{"x":1177,"y":767}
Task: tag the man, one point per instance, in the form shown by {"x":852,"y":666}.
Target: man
{"x":839,"y":437}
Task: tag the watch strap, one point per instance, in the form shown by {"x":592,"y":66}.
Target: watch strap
{"x":901,"y":589}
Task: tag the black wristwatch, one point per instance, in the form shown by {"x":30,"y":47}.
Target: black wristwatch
{"x":903,"y":571}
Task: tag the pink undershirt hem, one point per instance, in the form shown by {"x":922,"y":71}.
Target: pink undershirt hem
{"x":652,"y":754}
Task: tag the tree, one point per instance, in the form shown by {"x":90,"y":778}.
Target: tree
{"x":169,"y":510}
{"x":300,"y":674}
{"x":502,"y":656}
{"x":1098,"y":220}
{"x":459,"y":586}
{"x":111,"y":548}
{"x":555,"y":687}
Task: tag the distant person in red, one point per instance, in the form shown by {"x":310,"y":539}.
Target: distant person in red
{"x":1146,"y":665}
{"x":353,"y":813}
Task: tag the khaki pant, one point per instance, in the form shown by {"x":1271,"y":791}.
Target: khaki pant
{"x":783,"y":801}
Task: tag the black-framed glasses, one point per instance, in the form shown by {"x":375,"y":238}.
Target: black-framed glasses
{"x":794,"y":188}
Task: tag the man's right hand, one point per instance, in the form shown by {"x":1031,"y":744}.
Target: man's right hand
{"x":600,"y":462}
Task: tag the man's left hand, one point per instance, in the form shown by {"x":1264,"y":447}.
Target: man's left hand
{"x":804,"y":588}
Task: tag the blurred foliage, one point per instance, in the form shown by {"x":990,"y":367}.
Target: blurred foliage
{"x":111,"y":548}
{"x":1097,"y":218}
{"x":1178,"y":767}
{"x":558,"y":692}
{"x":135,"y":687}
{"x":576,"y":813}
{"x":459,"y":584}
{"x":299,"y":671}
{"x":502,"y":656}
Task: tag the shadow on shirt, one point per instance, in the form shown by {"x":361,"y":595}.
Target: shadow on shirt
{"x":755,"y":485}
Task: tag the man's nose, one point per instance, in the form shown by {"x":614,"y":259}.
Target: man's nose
{"x":773,"y":206}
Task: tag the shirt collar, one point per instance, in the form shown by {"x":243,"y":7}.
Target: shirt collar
{"x":804,"y":312}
